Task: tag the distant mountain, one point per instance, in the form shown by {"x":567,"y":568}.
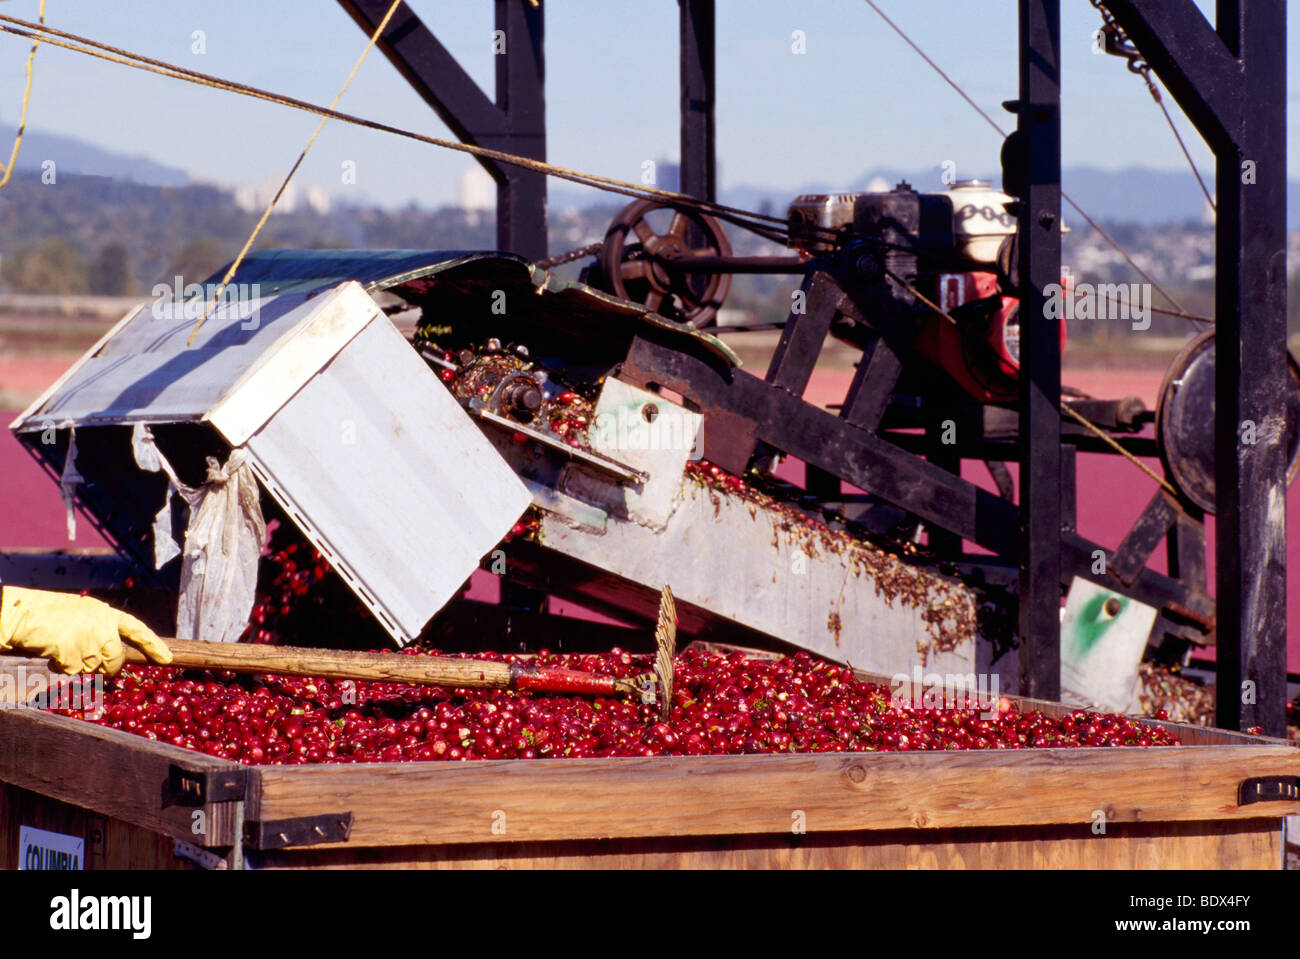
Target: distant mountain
{"x":72,"y":155}
{"x":1138,"y":195}
{"x":1135,"y":194}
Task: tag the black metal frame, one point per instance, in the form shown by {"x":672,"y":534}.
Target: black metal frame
{"x":743,"y":411}
{"x":699,"y":162}
{"x":514,"y":123}
{"x":1231,"y":84}
{"x":1230,"y":80}
{"x":1038,"y":138}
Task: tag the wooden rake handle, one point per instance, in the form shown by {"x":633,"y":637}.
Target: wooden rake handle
{"x":385,"y":668}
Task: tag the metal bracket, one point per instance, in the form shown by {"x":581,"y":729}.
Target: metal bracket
{"x":198,"y":787}
{"x":203,"y":858}
{"x":605,"y":464}
{"x":306,"y":831}
{"x":1268,"y":789}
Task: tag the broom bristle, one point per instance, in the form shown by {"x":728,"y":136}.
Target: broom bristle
{"x":666,"y":643}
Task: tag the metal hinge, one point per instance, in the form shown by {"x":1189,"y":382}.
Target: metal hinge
{"x":198,"y":787}
{"x":306,"y":831}
{"x":1268,"y":789}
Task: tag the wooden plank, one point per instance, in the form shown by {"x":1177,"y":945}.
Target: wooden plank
{"x":414,"y":803}
{"x":804,"y":333}
{"x":1246,"y":844}
{"x":67,"y":569}
{"x":1141,"y":540}
{"x":110,"y":843}
{"x":121,"y":775}
{"x":111,"y":772}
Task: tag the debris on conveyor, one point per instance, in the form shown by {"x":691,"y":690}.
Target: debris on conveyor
{"x":948,"y":611}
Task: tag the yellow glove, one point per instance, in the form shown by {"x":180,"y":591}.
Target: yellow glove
{"x":78,"y":634}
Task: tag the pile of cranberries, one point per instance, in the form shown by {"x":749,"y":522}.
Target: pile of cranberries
{"x":723,"y":704}
{"x":570,"y":417}
{"x":296,"y":572}
{"x":299,"y":599}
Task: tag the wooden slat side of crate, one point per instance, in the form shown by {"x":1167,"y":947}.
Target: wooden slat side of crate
{"x":539,"y":800}
{"x":113,"y":773}
{"x":1161,"y":806}
{"x":1239,"y":844}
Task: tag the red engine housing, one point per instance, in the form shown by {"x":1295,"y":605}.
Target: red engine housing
{"x":983,"y":358}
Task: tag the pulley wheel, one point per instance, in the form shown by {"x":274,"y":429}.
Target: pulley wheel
{"x":1185,"y":421}
{"x":640,"y":247}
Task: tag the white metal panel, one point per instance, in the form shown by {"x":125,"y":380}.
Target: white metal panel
{"x":345,"y":426}
{"x":1103,"y":637}
{"x":335,"y":317}
{"x":75,"y":368}
{"x":738,"y":563}
{"x":146,"y":371}
{"x":389,"y":477}
{"x":647,"y":432}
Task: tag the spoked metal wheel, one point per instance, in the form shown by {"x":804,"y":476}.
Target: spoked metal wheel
{"x":642,"y":244}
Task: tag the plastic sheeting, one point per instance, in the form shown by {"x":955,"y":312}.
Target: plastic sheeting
{"x":223,"y":540}
{"x":69,"y":480}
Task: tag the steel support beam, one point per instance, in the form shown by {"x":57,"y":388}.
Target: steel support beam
{"x":699,"y":152}
{"x":514,"y":123}
{"x":1231,"y":83}
{"x":1251,"y":379}
{"x":1189,"y":58}
{"x":521,"y":96}
{"x":1039,"y":140}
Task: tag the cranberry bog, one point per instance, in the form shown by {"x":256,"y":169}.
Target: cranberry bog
{"x":1215,"y":800}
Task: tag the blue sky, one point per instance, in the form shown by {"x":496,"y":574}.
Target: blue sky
{"x":858,"y":99}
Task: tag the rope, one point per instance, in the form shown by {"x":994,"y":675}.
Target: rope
{"x":22,"y":119}
{"x":1155,"y":92}
{"x":937,"y":69}
{"x":266,"y":214}
{"x":1178,"y":309}
{"x":1112,"y":442}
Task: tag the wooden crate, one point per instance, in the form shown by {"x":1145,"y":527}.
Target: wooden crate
{"x":1161,"y":807}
